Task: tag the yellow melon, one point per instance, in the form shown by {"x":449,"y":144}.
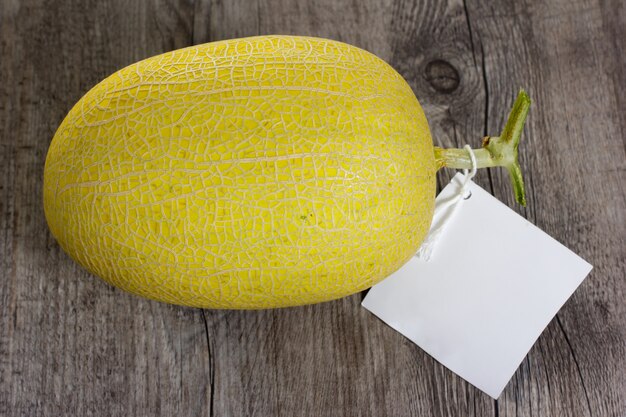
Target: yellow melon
{"x":250,"y":173}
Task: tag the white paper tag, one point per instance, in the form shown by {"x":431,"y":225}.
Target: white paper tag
{"x":480,"y":303}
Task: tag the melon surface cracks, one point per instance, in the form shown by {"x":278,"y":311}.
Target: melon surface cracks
{"x":249,"y":173}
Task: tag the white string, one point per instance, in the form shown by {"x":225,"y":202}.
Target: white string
{"x":445,"y":210}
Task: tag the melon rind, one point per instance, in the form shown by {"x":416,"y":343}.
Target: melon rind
{"x":251,"y":173}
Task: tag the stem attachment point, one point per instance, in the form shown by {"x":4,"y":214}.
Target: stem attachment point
{"x":496,"y":150}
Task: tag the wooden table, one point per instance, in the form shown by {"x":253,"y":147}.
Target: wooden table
{"x":72,"y":345}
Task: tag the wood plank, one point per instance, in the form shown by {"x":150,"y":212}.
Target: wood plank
{"x":70,"y":344}
{"x":336,"y":358}
{"x":572,"y":156}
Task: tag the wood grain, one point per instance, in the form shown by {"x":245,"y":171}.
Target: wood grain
{"x":71,"y":345}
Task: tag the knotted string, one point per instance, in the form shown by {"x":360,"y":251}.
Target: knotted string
{"x":445,"y":210}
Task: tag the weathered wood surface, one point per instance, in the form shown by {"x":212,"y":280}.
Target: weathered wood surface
{"x":71,"y":345}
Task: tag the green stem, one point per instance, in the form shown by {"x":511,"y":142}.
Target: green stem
{"x":496,"y":150}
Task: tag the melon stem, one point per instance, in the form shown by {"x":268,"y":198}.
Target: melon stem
{"x":496,"y":151}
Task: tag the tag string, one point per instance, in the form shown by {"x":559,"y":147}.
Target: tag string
{"x":445,"y":210}
{"x":472,"y":173}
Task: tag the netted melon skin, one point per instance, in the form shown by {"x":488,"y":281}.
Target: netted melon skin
{"x":251,"y":173}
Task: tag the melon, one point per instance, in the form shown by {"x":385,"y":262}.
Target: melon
{"x":260,"y":172}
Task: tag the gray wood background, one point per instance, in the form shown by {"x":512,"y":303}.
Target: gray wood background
{"x":71,"y":345}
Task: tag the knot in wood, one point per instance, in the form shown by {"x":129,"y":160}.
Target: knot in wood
{"x":442,"y":76}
